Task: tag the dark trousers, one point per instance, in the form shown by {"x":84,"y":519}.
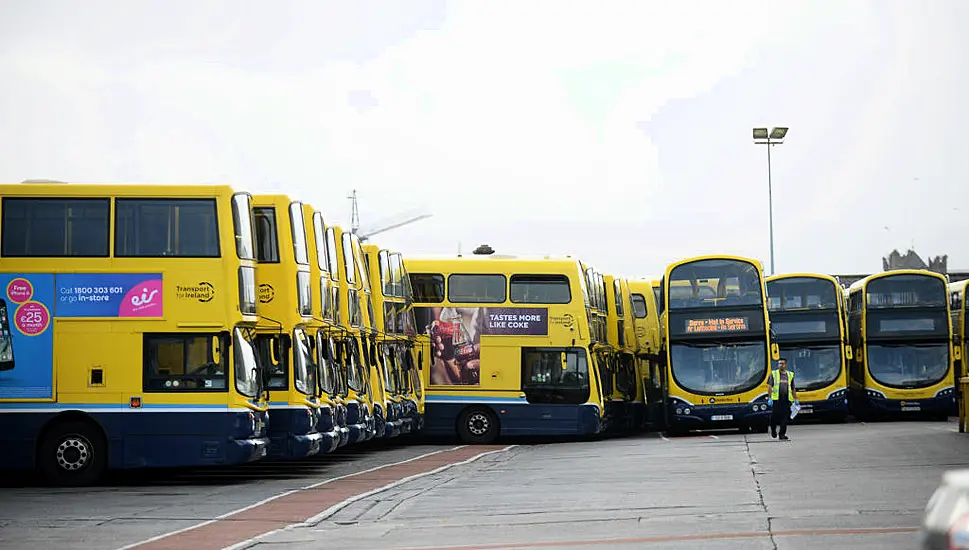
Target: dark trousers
{"x":780,"y":415}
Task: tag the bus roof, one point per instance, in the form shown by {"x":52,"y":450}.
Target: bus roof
{"x":803,"y":275}
{"x":752,"y":261}
{"x":925,"y":272}
{"x":489,"y":263}
{"x":113,"y":189}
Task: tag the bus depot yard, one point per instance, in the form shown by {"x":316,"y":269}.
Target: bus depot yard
{"x":850,"y":485}
{"x":153,"y":327}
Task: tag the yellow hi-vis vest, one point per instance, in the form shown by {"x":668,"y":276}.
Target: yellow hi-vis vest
{"x":775,"y":390}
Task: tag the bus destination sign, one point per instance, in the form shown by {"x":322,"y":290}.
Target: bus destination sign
{"x":717,"y":324}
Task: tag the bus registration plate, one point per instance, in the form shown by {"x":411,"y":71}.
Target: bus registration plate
{"x":912,"y":408}
{"x":722,"y":417}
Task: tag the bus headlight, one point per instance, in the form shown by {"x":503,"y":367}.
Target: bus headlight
{"x":686,"y":411}
{"x":247,"y":290}
{"x":679,"y":410}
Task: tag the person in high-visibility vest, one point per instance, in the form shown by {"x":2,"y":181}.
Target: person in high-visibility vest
{"x":782,"y":395}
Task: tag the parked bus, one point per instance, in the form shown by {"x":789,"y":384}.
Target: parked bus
{"x":164,"y":277}
{"x":508,"y":344}
{"x":718,"y":345}
{"x":384,"y":374}
{"x":286,"y":349}
{"x":325,"y":327}
{"x":652,"y":362}
{"x":395,"y":321}
{"x":901,"y":335}
{"x":957,"y":312}
{"x":621,"y":338}
{"x":806,"y":315}
{"x":354,"y":349}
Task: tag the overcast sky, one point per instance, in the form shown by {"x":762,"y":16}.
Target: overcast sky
{"x":619,"y":132}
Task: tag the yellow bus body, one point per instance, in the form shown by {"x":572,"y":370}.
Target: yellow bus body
{"x":284,"y":343}
{"x":652,"y":374}
{"x":957,"y":312}
{"x":717,"y":343}
{"x":323,"y":326}
{"x":127,"y":323}
{"x":807,"y":317}
{"x":912,"y":372}
{"x":361,"y":420}
{"x":507,"y":345}
{"x":334,"y":334}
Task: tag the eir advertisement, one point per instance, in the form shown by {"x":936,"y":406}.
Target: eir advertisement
{"x":29,"y":304}
{"x":455,"y":334}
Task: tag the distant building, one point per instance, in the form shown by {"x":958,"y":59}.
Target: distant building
{"x":910,"y":260}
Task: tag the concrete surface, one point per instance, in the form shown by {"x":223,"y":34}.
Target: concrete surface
{"x":847,"y":485}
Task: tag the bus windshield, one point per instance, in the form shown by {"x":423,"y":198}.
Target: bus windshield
{"x":714,"y":283}
{"x":710,"y":368}
{"x":801,"y":293}
{"x":907,"y":291}
{"x":246,"y":367}
{"x":908,"y":366}
{"x":814,"y":367}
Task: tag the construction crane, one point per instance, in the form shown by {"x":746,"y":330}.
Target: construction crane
{"x":393,"y":222}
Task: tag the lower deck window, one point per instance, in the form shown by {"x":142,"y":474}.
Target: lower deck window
{"x":185,"y":362}
{"x":555,"y":375}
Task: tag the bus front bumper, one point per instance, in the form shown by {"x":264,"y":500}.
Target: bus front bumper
{"x":930,"y":405}
{"x":247,"y":450}
{"x":823,"y":408}
{"x":712,"y":417}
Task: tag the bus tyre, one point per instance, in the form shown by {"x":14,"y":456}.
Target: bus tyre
{"x":478,"y":425}
{"x":73,"y":454}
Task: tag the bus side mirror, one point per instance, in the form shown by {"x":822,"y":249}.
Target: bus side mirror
{"x":775,"y":352}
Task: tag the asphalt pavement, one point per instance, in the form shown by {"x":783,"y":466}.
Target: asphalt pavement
{"x":836,"y":486}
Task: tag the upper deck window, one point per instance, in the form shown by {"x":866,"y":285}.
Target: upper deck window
{"x":55,"y":228}
{"x":906,"y":291}
{"x":349,"y":263}
{"x":242,"y":224}
{"x":639,"y":306}
{"x":713,"y":283}
{"x":267,"y":241}
{"x":299,"y":233}
{"x":428,"y":288}
{"x":319,"y":235}
{"x":802,"y":293}
{"x":386,"y":277}
{"x":476,"y":288}
{"x":154,"y":228}
{"x":617,"y":290}
{"x":331,"y":252}
{"x":540,"y":289}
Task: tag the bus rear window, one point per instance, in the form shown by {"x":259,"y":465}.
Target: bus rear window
{"x":476,"y":288}
{"x":154,"y":228}
{"x":267,"y":242}
{"x":428,"y":288}
{"x":54,"y":228}
{"x":540,"y":289}
{"x":639,"y":306}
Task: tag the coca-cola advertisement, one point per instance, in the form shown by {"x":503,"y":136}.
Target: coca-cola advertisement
{"x":455,"y":334}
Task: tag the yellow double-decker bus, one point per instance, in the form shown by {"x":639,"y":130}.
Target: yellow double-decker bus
{"x":957,"y":312}
{"x":131,"y":316}
{"x":901,"y":338}
{"x":286,"y":349}
{"x":508,"y":344}
{"x":652,"y":362}
{"x":621,"y":336}
{"x":394,"y":316}
{"x":353,"y":351}
{"x":717,"y":343}
{"x":807,"y":317}
{"x":325,"y":326}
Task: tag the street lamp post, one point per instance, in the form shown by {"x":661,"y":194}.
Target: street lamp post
{"x":774,"y":137}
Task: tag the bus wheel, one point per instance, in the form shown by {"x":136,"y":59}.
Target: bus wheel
{"x":478,"y":425}
{"x":73,"y":454}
